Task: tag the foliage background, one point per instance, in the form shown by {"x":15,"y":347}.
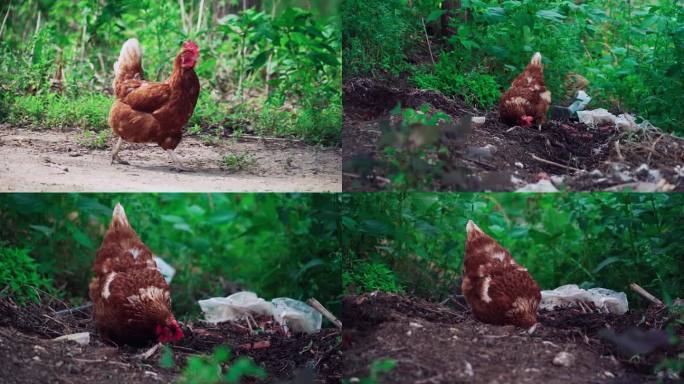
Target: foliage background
{"x":270,"y":67}
{"x":632,"y":52}
{"x":414,"y":242}
{"x":273,"y":244}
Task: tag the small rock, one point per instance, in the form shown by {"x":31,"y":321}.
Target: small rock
{"x":59,"y":364}
{"x":415,"y":325}
{"x":478,"y":120}
{"x":596,"y":173}
{"x":38,"y":348}
{"x":519,"y":165}
{"x":469,"y":370}
{"x":564,"y":359}
{"x":609,"y":374}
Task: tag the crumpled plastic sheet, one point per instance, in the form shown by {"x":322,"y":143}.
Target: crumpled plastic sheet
{"x":293,"y":314}
{"x":166,"y":270}
{"x":569,"y":295}
{"x":296,"y":315}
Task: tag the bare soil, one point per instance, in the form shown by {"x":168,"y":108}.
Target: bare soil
{"x":28,"y":355}
{"x":434,"y":343}
{"x":586,"y":159}
{"x":54,"y":161}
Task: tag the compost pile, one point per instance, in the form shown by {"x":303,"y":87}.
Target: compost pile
{"x":489,"y":157}
{"x":434,"y":343}
{"x":27,"y":351}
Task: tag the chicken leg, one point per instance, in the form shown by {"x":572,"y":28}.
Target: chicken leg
{"x":115,"y":153}
{"x":176,"y":162}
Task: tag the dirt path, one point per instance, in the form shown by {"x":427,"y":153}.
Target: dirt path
{"x":53,"y":161}
{"x":432,"y":343}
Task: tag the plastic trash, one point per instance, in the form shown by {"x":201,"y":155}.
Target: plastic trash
{"x":596,"y":117}
{"x":297,"y":316}
{"x":166,"y":270}
{"x":235,"y":307}
{"x":540,"y":186}
{"x":569,"y":295}
{"x":581,"y":101}
{"x":82,"y":338}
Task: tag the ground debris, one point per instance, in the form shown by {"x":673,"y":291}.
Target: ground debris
{"x":453,"y":347}
{"x":584,"y":157}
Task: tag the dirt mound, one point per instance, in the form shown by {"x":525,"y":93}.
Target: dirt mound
{"x":29,"y":356}
{"x":433,"y":343}
{"x":579,"y":158}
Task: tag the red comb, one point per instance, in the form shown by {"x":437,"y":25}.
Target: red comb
{"x":190,"y":45}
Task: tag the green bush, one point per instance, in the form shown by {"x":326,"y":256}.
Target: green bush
{"x":19,"y":277}
{"x":208,"y":369}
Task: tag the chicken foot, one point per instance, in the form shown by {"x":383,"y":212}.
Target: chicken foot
{"x":176,"y":162}
{"x":115,"y":153}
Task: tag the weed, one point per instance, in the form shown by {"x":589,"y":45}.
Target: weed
{"x":209,"y":369}
{"x":19,"y":275}
{"x":238,"y":161}
{"x":94,"y":140}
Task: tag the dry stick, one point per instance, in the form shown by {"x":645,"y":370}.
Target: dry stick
{"x":2,"y":28}
{"x":384,"y":180}
{"x":146,"y":355}
{"x":428,"y":41}
{"x":320,"y":308}
{"x":650,"y":153}
{"x":265,"y":138}
{"x":554,"y":163}
{"x":72,"y":310}
{"x":617,"y":150}
{"x":636,"y":288}
{"x":199,"y":19}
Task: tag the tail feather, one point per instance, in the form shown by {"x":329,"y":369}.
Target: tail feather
{"x":119,"y":218}
{"x":536,"y":59}
{"x":130,"y":56}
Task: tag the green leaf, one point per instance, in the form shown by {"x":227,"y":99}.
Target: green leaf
{"x":434,"y":15}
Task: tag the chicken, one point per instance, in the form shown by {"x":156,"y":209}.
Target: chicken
{"x":131,"y":299}
{"x":498,"y":290}
{"x":527,"y":100}
{"x":145,"y":111}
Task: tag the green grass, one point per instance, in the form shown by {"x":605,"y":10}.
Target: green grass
{"x":238,"y":161}
{"x":19,"y":275}
{"x":47,"y":111}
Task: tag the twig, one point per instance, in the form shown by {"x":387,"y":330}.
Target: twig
{"x":512,"y":128}
{"x":2,"y":28}
{"x":428,"y":41}
{"x":617,"y":150}
{"x":69,"y":311}
{"x":381,"y":179}
{"x":89,"y":361}
{"x":146,"y":355}
{"x":554,"y":163}
{"x":650,"y":153}
{"x":644,"y":293}
{"x":265,"y":138}
{"x":328,"y":315}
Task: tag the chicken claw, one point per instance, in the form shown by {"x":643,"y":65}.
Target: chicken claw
{"x":115,"y":153}
{"x":176,"y":162}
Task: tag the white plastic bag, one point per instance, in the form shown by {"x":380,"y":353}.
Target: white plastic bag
{"x":596,"y":117}
{"x":569,"y":295}
{"x":234,"y":307}
{"x":296,"y":315}
{"x":166,"y":270}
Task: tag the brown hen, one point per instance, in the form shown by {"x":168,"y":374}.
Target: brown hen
{"x":527,"y":100}
{"x":131,"y":299}
{"x":498,"y":290}
{"x":151,"y":112}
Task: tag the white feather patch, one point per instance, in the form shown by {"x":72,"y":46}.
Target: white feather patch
{"x":135,"y":251}
{"x":108,"y":281}
{"x":499,"y":255}
{"x":130,"y":53}
{"x":484,"y":294}
{"x":517,"y":101}
{"x":546,"y":96}
{"x":150,"y":293}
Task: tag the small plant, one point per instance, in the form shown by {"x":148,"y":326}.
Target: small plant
{"x":19,"y":275}
{"x":210,"y":369}
{"x":372,"y":276}
{"x":94,"y":140}
{"x":238,"y":161}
